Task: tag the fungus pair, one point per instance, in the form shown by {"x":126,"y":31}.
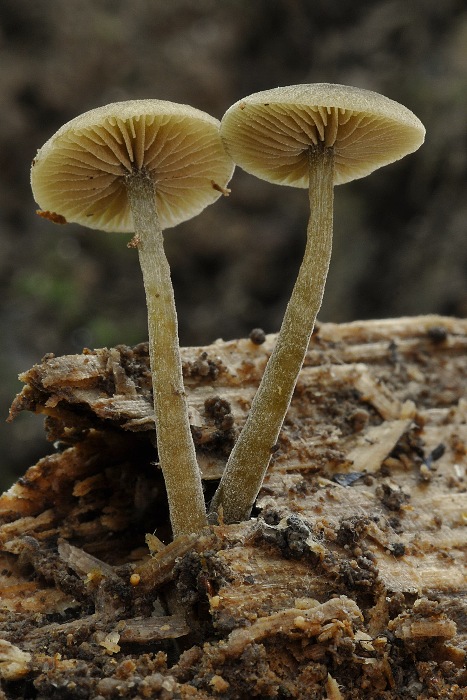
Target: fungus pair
{"x":145,"y":165}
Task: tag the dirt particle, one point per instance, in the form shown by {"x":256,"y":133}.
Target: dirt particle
{"x":397,"y":549}
{"x":437,"y":334}
{"x":391,"y":497}
{"x":51,"y":216}
{"x":257,"y":336}
{"x":435,"y":454}
{"x":203,"y":367}
{"x":358,"y":573}
{"x":352,"y":530}
{"x":223,"y":190}
{"x":359,"y":419}
{"x":220,"y":411}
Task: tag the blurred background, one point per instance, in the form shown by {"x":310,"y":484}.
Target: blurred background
{"x":400,"y":234}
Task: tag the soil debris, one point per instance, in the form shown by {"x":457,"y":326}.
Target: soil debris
{"x":350,"y":581}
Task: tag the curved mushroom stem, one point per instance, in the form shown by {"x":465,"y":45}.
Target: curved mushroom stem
{"x":249,"y":459}
{"x":175,"y":446}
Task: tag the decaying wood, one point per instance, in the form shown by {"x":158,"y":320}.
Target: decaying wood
{"x":350,"y":581}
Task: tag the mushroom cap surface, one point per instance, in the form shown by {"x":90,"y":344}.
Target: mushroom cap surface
{"x":80,"y":172}
{"x":270,"y":133}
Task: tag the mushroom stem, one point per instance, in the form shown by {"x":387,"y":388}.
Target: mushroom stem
{"x":249,"y":459}
{"x":175,"y":446}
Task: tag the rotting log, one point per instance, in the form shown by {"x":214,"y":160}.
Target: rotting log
{"x":350,"y":581}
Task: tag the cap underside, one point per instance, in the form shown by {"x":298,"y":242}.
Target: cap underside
{"x":270,"y":134}
{"x":80,"y":172}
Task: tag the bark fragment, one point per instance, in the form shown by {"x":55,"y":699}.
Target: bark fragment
{"x":349,"y":581}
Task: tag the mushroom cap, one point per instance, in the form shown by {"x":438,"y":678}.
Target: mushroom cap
{"x":80,"y":172}
{"x":269,"y":133}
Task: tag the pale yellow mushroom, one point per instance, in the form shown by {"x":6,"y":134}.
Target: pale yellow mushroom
{"x":143,"y":166}
{"x":311,"y":136}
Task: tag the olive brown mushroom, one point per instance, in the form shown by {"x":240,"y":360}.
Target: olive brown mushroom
{"x":311,"y":136}
{"x":142,"y":166}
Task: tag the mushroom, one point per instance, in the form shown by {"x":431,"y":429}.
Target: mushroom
{"x":142,"y":166}
{"x":311,"y":136}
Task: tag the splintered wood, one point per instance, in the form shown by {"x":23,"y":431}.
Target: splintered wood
{"x":350,"y":581}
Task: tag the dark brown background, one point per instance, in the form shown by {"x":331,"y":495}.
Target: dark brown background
{"x":400,"y":234}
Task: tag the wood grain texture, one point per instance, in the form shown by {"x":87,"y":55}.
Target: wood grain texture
{"x":349,"y":582}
